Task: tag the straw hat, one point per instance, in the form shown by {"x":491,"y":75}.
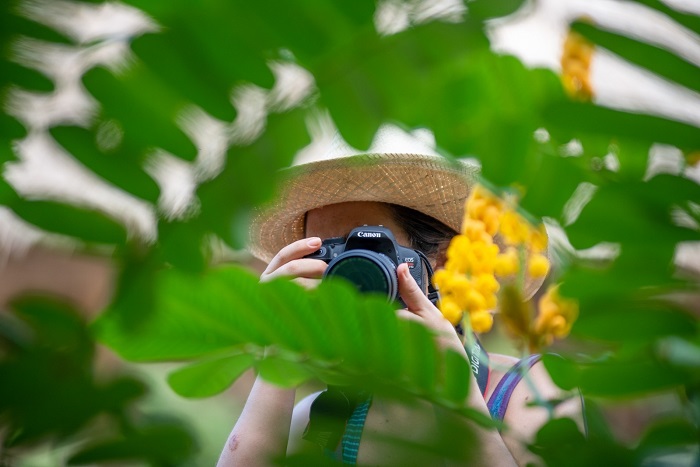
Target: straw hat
{"x":399,"y":168}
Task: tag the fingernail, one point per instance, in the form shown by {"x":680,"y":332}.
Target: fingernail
{"x":314,"y":242}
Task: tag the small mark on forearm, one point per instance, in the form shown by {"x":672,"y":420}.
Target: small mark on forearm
{"x":233,"y":443}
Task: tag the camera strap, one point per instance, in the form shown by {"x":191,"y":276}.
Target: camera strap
{"x":433,"y":294}
{"x":479,"y":362}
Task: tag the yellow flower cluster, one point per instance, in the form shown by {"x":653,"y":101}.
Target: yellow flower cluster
{"x":576,"y":65}
{"x":468,"y":281}
{"x":555,"y":318}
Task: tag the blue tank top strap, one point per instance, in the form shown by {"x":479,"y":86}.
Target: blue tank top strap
{"x":350,"y":444}
{"x":498,"y":402}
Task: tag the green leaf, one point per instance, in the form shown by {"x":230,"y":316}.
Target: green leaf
{"x":144,"y":106}
{"x":559,"y":442}
{"x":210,"y":377}
{"x":13,"y":25}
{"x":338,"y":304}
{"x":160,"y":445}
{"x":655,"y":59}
{"x":297,"y":317}
{"x":48,"y":387}
{"x":668,"y":433}
{"x":382,"y":337}
{"x":340,"y":320}
{"x":487,"y":9}
{"x":688,"y":20}
{"x":581,"y":119}
{"x":171,"y":57}
{"x":9,"y":129}
{"x":120,"y":168}
{"x":617,"y":377}
{"x":625,"y":212}
{"x":366,"y":82}
{"x":7,"y":194}
{"x":562,"y":371}
{"x":420,"y":367}
{"x":457,"y":377}
{"x":25,"y":78}
{"x":619,"y":321}
{"x":88,"y":225}
{"x":182,"y":244}
{"x":191,"y":316}
{"x":552,"y":171}
{"x":282,"y":372}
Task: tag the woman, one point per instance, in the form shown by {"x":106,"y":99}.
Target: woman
{"x":402,"y":184}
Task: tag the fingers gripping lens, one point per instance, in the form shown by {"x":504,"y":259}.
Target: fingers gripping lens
{"x":367,"y":270}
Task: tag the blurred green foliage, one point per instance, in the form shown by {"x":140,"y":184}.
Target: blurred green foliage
{"x":171,"y":304}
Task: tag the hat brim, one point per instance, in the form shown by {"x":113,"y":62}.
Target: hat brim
{"x":433,"y":185}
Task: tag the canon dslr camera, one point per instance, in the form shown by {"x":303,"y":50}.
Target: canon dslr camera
{"x":368,"y":258}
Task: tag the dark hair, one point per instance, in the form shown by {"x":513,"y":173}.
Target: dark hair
{"x":425,"y":233}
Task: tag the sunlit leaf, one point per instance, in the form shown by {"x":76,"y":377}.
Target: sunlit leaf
{"x":209,"y":377}
{"x":192,"y":315}
{"x":284,"y":373}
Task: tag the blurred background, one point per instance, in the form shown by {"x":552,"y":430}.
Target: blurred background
{"x":36,"y":260}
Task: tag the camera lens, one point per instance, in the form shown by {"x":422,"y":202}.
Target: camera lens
{"x":367,"y":270}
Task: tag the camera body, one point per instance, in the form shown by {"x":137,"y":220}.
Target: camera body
{"x":368,"y":258}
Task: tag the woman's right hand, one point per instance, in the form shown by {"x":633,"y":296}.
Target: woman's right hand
{"x":290,"y":262}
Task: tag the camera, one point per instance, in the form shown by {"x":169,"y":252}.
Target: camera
{"x":368,"y":258}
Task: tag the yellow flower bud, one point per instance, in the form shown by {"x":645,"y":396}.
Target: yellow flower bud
{"x":556,"y":316}
{"x":473,"y":229}
{"x":538,"y":239}
{"x":538,"y":266}
{"x":507,"y":263}
{"x":575,"y":66}
{"x":475,"y":301}
{"x":476,"y":208}
{"x":491,"y":301}
{"x":481,"y":321}
{"x":492,"y":217}
{"x":450,"y":310}
{"x":486,"y":284}
{"x":514,"y":229}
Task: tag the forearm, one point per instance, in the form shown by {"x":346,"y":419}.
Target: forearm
{"x":262,"y":431}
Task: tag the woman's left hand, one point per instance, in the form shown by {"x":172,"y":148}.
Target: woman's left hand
{"x":420,"y":308}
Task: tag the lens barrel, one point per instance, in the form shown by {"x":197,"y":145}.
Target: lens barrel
{"x":369,"y":271}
